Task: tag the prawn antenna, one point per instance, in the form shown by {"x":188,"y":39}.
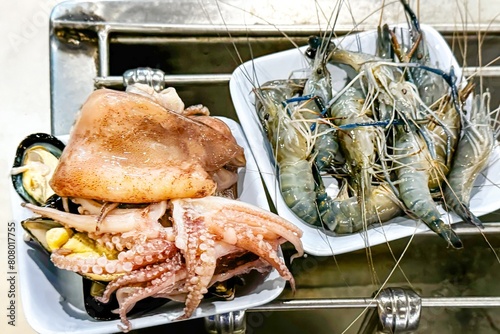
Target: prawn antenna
{"x":411,"y":14}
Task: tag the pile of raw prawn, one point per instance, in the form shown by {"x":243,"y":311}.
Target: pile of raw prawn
{"x":397,"y":137}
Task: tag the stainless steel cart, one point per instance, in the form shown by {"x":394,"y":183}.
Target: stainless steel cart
{"x":93,"y":43}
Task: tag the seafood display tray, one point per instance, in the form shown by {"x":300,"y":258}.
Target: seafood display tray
{"x":50,"y":293}
{"x":282,"y":65}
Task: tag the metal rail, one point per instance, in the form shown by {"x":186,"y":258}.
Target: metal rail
{"x":246,"y":30}
{"x":169,"y":79}
{"x":189,"y":79}
{"x":317,"y":304}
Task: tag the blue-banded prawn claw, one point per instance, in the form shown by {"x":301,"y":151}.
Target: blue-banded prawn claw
{"x":450,"y":78}
{"x":317,"y":99}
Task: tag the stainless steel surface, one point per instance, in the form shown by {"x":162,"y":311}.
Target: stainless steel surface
{"x":399,"y":310}
{"x":94,"y":43}
{"x":386,"y":297}
{"x":145,"y":75}
{"x":227,"y":323}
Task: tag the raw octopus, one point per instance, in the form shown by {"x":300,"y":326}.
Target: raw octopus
{"x":136,"y":151}
{"x":172,"y":238}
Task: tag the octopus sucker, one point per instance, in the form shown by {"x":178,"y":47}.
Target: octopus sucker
{"x":143,"y":217}
{"x":126,"y":261}
{"x":199,"y":254}
{"x":128,"y":296}
{"x":222,"y":210}
{"x":142,"y":275}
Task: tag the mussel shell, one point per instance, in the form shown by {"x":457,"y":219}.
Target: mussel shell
{"x":226,"y":289}
{"x":56,"y":202}
{"x":50,"y":143}
{"x":101,"y":311}
{"x":37,"y":228}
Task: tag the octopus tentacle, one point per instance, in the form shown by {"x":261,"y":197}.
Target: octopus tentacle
{"x":91,"y":207}
{"x":143,"y":275}
{"x":256,"y":244}
{"x":197,"y":246}
{"x":105,"y":210}
{"x":152,"y":252}
{"x":127,"y":298}
{"x":224,"y":210}
{"x":210,"y":240}
{"x":233,"y":221}
{"x":259,"y":265}
{"x":135,"y":219}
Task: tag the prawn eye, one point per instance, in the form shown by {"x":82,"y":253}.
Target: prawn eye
{"x":404,"y":91}
{"x":319,"y":71}
{"x":310,"y":53}
{"x":266,"y":117}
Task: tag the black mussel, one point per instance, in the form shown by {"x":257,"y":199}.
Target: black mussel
{"x":226,"y":289}
{"x":36,"y":159}
{"x":102,"y":311}
{"x":37,"y":229}
{"x":51,"y":235}
{"x":63,"y":204}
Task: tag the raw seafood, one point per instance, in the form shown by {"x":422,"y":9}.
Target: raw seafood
{"x":136,"y":151}
{"x":167,"y":243}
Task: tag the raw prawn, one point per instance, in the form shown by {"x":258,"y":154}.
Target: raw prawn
{"x":473,"y":152}
{"x":413,"y":179}
{"x":290,"y":148}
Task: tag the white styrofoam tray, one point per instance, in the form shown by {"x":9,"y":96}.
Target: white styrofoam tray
{"x":53,"y":300}
{"x":283,"y":65}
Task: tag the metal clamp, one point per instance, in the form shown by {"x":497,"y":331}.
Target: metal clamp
{"x":145,"y":75}
{"x":399,"y":310}
{"x":232,"y":322}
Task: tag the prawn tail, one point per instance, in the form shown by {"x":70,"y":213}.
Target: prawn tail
{"x":447,"y":233}
{"x":328,"y":209}
{"x":464,"y":212}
